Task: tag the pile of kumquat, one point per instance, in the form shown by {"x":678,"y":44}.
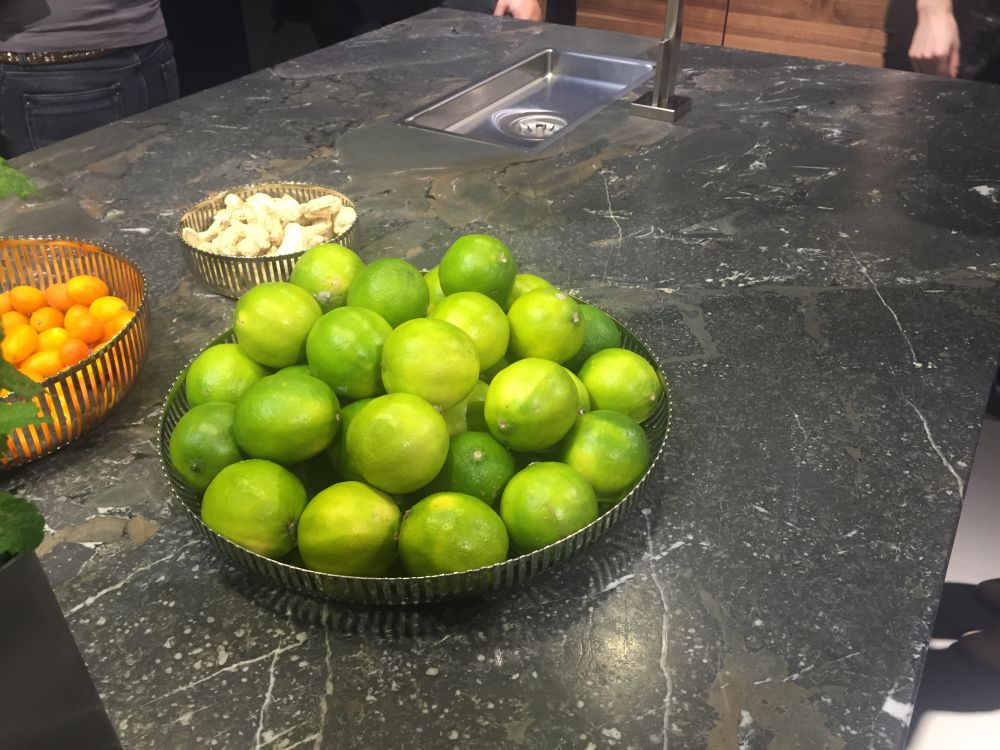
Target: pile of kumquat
{"x":44,"y":332}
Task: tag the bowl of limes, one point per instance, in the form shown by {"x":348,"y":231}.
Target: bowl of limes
{"x":372,"y":433}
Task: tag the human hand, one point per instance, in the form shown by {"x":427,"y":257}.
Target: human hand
{"x":935,"y":44}
{"x":526,"y":10}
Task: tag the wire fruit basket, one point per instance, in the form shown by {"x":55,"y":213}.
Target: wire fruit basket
{"x":79,"y":398}
{"x":231,"y":275}
{"x":414,"y":589}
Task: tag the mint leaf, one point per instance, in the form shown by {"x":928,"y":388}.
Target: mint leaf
{"x":13,"y":182}
{"x":12,"y":380}
{"x":21,"y":525}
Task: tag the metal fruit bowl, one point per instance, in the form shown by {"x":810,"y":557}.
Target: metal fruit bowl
{"x":231,"y":275}
{"x":418,"y":589}
{"x":77,"y":399}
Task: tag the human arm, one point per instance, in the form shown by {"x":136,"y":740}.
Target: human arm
{"x":526,"y":10}
{"x":935,"y":44}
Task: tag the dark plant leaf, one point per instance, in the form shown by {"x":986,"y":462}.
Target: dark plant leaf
{"x":14,"y":415}
{"x":21,"y":385}
{"x":21,"y":525}
{"x":14,"y":183}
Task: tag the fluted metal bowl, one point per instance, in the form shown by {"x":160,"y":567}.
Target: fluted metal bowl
{"x":415,"y":589}
{"x":231,"y":275}
{"x":79,"y":398}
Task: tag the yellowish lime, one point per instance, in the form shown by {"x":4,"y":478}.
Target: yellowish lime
{"x":544,"y":503}
{"x":433,"y":281}
{"x":432,"y":359}
{"x":327,"y":272}
{"x":255,"y":504}
{"x":221,"y":373}
{"x":349,"y":529}
{"x":524,"y":283}
{"x":286,"y":418}
{"x":609,"y":450}
{"x":391,"y":287}
{"x":272,"y":321}
{"x":582,"y":397}
{"x":449,"y":532}
{"x":482,"y":319}
{"x":531,"y":405}
{"x":344,"y":350}
{"x":545,"y":324}
{"x":467,"y":414}
{"x":398,"y":442}
{"x":621,"y":380}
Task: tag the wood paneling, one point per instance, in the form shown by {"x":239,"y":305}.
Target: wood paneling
{"x":704,"y":20}
{"x":843,"y":30}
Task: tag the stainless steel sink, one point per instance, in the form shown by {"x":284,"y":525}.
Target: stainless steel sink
{"x":535,"y":101}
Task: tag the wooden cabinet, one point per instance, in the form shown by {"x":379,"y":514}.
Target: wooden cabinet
{"x":704,"y":20}
{"x":843,"y":30}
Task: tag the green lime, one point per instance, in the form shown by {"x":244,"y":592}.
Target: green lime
{"x":608,"y":449}
{"x":621,"y":380}
{"x":531,"y":405}
{"x":337,"y":450}
{"x":344,"y":350}
{"x":467,"y":414}
{"x":255,"y":504}
{"x":545,"y":324}
{"x":327,"y":272}
{"x":476,"y":465}
{"x":449,"y":533}
{"x":286,"y":418}
{"x":391,"y":287}
{"x":221,"y":373}
{"x":272,"y":321}
{"x":544,"y":503}
{"x":482,"y":319}
{"x":524,"y":283}
{"x":398,"y":442}
{"x":433,"y":281}
{"x":478,"y":263}
{"x":349,"y":529}
{"x":431,"y":359}
{"x":599,"y":332}
{"x":202,"y":444}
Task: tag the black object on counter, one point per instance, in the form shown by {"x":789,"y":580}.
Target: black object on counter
{"x":47,"y":699}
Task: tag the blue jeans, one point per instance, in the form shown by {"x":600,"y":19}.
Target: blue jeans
{"x":42,"y":104}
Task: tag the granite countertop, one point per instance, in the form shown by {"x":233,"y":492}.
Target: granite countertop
{"x":813,"y":253}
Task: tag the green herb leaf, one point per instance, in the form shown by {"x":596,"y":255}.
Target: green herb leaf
{"x":15,"y":382}
{"x":17,"y":414}
{"x":13,"y":182}
{"x":21,"y":525}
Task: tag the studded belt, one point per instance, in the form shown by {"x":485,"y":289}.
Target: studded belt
{"x":51,"y":58}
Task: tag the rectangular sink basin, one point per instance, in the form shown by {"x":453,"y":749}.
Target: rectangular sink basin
{"x":535,"y":101}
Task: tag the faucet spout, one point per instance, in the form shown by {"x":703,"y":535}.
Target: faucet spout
{"x":661,"y":103}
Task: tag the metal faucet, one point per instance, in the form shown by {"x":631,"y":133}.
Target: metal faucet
{"x":661,"y":103}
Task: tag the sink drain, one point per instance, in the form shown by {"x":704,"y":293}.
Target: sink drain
{"x":530,"y":125}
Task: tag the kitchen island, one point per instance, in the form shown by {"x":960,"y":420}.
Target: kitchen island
{"x":813,"y":254}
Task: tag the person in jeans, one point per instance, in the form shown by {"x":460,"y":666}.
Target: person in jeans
{"x":67,"y":66}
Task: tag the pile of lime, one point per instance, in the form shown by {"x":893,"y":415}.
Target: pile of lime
{"x":374,"y":420}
